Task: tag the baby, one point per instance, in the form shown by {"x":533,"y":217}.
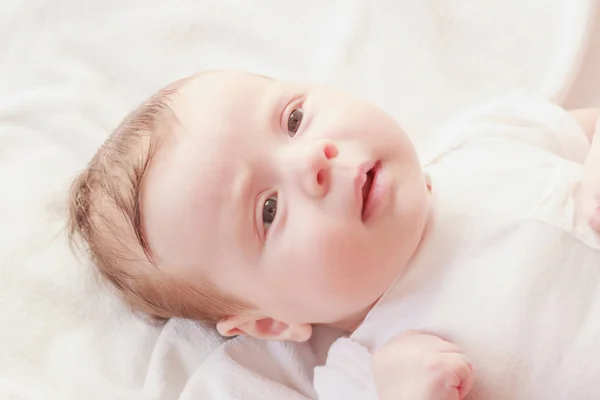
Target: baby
{"x":268,"y":207}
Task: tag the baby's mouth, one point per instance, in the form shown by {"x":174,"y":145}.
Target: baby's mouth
{"x":366,"y":189}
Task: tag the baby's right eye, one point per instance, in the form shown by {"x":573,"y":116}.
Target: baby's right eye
{"x":269,"y":211}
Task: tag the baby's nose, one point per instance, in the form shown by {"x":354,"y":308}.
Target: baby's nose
{"x":314,"y":167}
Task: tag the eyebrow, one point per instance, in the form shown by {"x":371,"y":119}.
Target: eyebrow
{"x":262,"y":76}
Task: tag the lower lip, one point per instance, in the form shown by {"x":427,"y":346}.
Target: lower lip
{"x":378,"y":196}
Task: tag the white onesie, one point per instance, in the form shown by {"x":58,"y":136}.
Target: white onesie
{"x":509,"y":271}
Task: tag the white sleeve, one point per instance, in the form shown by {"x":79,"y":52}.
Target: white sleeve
{"x":521,"y":117}
{"x":347,"y":374}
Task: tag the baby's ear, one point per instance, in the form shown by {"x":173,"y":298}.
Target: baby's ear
{"x":263,"y":328}
{"x":427,"y":181}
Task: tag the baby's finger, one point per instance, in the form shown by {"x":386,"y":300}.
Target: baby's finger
{"x":594,"y":220}
{"x":591,"y":208}
{"x":467,"y":382}
{"x":457,"y":374}
{"x":434,"y":342}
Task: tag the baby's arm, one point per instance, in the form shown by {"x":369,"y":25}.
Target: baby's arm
{"x":413,"y":366}
{"x":589,"y":119}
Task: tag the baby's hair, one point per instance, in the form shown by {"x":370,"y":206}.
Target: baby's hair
{"x":104,"y":216}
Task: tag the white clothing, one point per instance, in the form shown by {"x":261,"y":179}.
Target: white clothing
{"x":508,"y":270}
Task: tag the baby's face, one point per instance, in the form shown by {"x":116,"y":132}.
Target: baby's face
{"x":296,"y":198}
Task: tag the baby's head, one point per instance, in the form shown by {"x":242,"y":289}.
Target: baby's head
{"x":261,"y":205}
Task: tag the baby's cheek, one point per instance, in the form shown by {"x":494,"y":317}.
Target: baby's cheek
{"x":340,"y":260}
{"x":325,"y":276}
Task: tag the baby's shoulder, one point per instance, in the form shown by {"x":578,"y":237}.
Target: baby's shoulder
{"x":520,"y":124}
{"x":495,"y":182}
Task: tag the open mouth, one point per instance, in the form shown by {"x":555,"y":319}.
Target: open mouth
{"x":368,"y":186}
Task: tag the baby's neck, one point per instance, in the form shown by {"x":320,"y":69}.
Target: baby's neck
{"x":351,"y":323}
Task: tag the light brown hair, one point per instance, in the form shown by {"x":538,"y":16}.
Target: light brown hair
{"x":104,"y":216}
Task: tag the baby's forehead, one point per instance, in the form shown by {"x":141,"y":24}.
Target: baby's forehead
{"x":224,"y":82}
{"x":212,"y":103}
{"x":179,"y":208}
{"x":184,"y":201}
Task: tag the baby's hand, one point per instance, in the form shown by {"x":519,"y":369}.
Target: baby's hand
{"x":418,"y":366}
{"x":591,"y":183}
{"x":591,"y":204}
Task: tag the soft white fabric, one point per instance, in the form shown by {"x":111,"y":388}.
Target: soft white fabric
{"x":508,"y":270}
{"x":347,"y":373}
{"x":70,"y":70}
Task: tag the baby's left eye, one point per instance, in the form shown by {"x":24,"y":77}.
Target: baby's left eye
{"x":294,"y":121}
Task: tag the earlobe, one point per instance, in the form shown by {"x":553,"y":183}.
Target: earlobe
{"x":264,"y":328}
{"x":298,"y":332}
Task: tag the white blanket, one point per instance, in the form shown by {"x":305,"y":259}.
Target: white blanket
{"x":69,"y":70}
